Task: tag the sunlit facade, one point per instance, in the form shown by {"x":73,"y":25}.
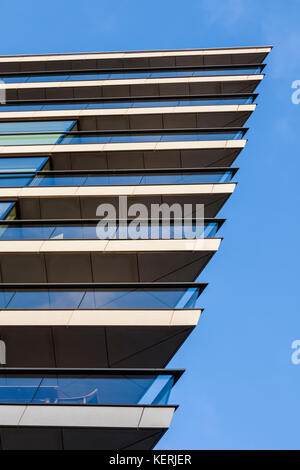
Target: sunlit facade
{"x":88,"y":325}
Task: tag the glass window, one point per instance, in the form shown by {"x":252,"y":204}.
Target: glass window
{"x":48,"y":180}
{"x":9,"y":164}
{"x":124,"y":299}
{"x":14,"y":133}
{"x":45,"y":300}
{"x":5,"y":208}
{"x":116,"y":180}
{"x":221,"y":100}
{"x":116,"y":389}
{"x":30,"y":139}
{"x":26,"y":232}
{"x":105,"y":298}
{"x":15,"y":181}
{"x":242,"y":70}
{"x":35,"y":126}
{"x":88,"y":231}
{"x":101,"y":179}
{"x":18,"y":390}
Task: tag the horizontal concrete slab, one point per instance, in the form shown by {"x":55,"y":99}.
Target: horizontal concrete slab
{"x":86,"y":416}
{"x":77,"y":113}
{"x":134,"y":54}
{"x":116,"y":147}
{"x":95,"y":317}
{"x":133,"y":81}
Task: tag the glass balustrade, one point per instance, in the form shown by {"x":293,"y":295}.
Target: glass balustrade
{"x":9,"y":178}
{"x":95,"y":137}
{"x":142,"y":103}
{"x":34,"y":132}
{"x":176,"y":73}
{"x":147,"y":230}
{"x":127,"y":388}
{"x":100,"y":297}
{"x":7,"y":210}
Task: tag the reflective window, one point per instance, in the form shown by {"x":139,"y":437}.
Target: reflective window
{"x":100,"y":298}
{"x":178,"y":137}
{"x":58,"y":180}
{"x":16,"y":127}
{"x":15,"y":181}
{"x":11,"y":168}
{"x":63,"y":77}
{"x":22,"y":163}
{"x":30,"y":139}
{"x":115,"y":389}
{"x":85,"y":231}
{"x":23,"y":133}
{"x":145,"y":103}
{"x":46,"y":299}
{"x":6,"y":208}
{"x":97,"y":138}
{"x":103,"y":179}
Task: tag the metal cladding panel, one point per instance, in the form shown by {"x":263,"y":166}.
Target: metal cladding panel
{"x":61,"y":438}
{"x":92,"y":346}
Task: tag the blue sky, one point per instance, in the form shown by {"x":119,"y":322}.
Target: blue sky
{"x":240,"y":390}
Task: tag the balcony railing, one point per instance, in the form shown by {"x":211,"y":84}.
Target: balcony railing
{"x":120,"y":296}
{"x":144,"y":102}
{"x":15,"y":178}
{"x":129,"y":75}
{"x":87,"y":387}
{"x":104,"y":137}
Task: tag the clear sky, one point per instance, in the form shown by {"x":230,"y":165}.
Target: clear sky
{"x":240,"y":389}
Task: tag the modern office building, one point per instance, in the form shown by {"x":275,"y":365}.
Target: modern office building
{"x":88,"y":324}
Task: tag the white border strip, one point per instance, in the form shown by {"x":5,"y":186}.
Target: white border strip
{"x":86,"y":416}
{"x":81,"y":317}
{"x":116,"y":147}
{"x":134,"y":54}
{"x":134,"y":81}
{"x":77,"y":113}
{"x":108,"y":246}
{"x":160,"y":189}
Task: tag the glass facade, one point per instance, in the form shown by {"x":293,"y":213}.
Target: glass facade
{"x":105,"y":297}
{"x":94,"y":389}
{"x":88,"y":231}
{"x":141,"y":103}
{"x":22,"y":164}
{"x":7,"y":210}
{"x":20,"y":138}
{"x":29,"y":127}
{"x":20,"y":179}
{"x":66,"y":77}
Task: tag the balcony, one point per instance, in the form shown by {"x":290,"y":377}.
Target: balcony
{"x":73,"y":408}
{"x":134,"y":74}
{"x":96,"y":325}
{"x":17,"y":179}
{"x":86,"y":387}
{"x":72,"y":104}
{"x":11,"y":136}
